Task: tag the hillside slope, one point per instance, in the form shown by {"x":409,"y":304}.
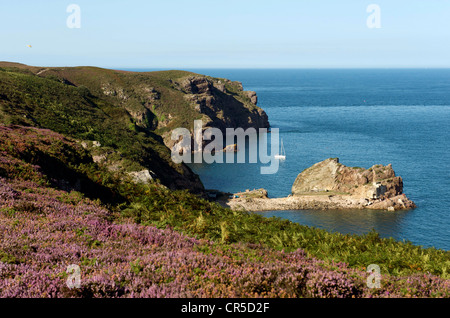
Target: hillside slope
{"x":163,"y":100}
{"x":136,"y":240}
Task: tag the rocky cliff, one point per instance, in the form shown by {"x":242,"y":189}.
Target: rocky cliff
{"x":163,"y":100}
{"x":129,"y":114}
{"x":219,"y":103}
{"x":223,"y":102}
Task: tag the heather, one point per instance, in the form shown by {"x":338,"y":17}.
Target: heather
{"x":43,"y":230}
{"x":48,"y":158}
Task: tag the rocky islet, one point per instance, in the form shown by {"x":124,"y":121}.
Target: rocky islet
{"x":332,"y":185}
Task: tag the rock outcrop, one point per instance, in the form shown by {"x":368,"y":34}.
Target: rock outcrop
{"x":221,"y":103}
{"x":252,"y":194}
{"x":377,"y":182}
{"x":252,"y":96}
{"x":231,"y":148}
{"x":225,"y":102}
{"x":331,"y":185}
{"x":144,"y":176}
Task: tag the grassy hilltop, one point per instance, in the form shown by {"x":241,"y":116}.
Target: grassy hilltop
{"x":67,"y":200}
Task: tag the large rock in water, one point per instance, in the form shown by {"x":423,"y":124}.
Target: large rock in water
{"x":331,"y":176}
{"x":378,"y":184}
{"x":331,"y":185}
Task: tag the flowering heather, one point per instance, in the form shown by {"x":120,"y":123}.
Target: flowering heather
{"x":44,"y":230}
{"x":32,"y":153}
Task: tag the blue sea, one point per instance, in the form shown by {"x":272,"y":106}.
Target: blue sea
{"x":363,"y":117}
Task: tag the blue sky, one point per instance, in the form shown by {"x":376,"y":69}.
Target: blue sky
{"x":227,"y":34}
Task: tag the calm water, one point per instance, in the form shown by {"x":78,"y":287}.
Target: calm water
{"x":363,"y":117}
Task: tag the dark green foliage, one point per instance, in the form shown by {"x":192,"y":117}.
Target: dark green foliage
{"x":83,"y":112}
{"x":196,"y":217}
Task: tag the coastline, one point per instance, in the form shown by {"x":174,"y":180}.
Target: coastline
{"x":317,"y":202}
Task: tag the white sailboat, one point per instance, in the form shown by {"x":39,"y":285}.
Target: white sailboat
{"x":282,"y":155}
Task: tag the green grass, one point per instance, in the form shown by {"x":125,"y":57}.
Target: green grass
{"x":196,"y":217}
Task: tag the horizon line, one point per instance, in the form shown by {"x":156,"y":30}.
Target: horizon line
{"x":127,"y":68}
{"x":286,"y":68}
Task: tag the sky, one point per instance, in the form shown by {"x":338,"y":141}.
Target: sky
{"x":174,"y":34}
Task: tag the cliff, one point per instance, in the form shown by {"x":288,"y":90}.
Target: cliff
{"x":163,"y":100}
{"x":332,"y":185}
{"x":221,"y":103}
{"x":125,"y":118}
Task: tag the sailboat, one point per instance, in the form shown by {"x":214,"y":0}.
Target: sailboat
{"x":281,"y":156}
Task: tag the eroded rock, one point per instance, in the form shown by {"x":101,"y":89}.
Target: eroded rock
{"x":144,"y":176}
{"x":252,"y":96}
{"x":377,"y":182}
{"x":331,"y":185}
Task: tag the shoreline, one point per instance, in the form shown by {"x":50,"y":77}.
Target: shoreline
{"x":316,"y":202}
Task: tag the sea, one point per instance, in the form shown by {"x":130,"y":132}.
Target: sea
{"x":363,"y":117}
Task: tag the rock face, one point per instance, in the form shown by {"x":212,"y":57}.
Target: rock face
{"x":331,"y":176}
{"x":225,"y":102}
{"x":378,"y":185}
{"x":231,"y":148}
{"x":196,"y":85}
{"x":331,"y":185}
{"x":144,"y":176}
{"x":252,"y":96}
{"x":221,"y":103}
{"x":252,"y":194}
